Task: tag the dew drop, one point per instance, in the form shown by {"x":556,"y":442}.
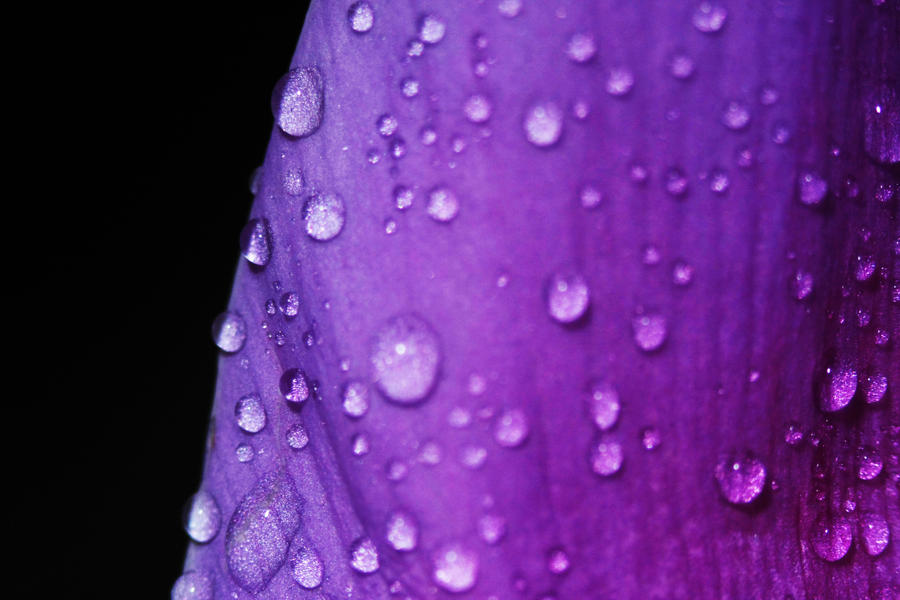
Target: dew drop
{"x":360,"y":445}
{"x":838,"y":387}
{"x":415,"y":48}
{"x":405,"y":359}
{"x":876,"y":387}
{"x":229,"y":332}
{"x":432,"y":29}
{"x":250,"y":414}
{"x":864,"y":267}
{"x":869,"y":463}
{"x":473,"y":457}
{"x":430,"y":454}
{"x":650,"y":331}
{"x":492,"y":529}
{"x":509,"y":8}
{"x":567,"y":296}
{"x":193,"y":585}
{"x":258,"y":534}
{"x":387,"y":125}
{"x":558,"y":561}
{"x":298,"y":101}
{"x":409,"y":87}
{"x":682,"y":273}
{"x":650,"y":438}
{"x":403,"y":197}
{"x":324,"y":216}
{"x":255,"y":242}
{"x":455,"y":568}
{"x":355,"y":399}
{"x":289,"y":304}
{"x":812,"y":189}
{"x":306,"y":566}
{"x":719,"y":182}
{"x":619,"y":81}
{"x":442,"y":204}
{"x":709,"y":17}
{"x":543,"y":124}
{"x":801,"y":285}
{"x":402,"y":531}
{"x":361,"y":17}
{"x":244,"y":453}
{"x":477,"y":108}
{"x":296,"y":437}
{"x":581,"y":48}
{"x":427,"y":136}
{"x":676,"y":182}
{"x":793,"y":435}
{"x":875,"y":533}
{"x":589,"y":197}
{"x":364,"y":556}
{"x":741,"y":478}
{"x":831,"y":538}
{"x":603,"y":404}
{"x":511,"y":428}
{"x":681,"y":66}
{"x":202,"y":517}
{"x":606,"y":458}
{"x":293,"y":182}
{"x":294,"y":387}
{"x":736,"y":116}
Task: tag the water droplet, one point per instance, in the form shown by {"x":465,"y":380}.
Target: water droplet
{"x":364,"y":556}
{"x":869,"y":463}
{"x":250,"y":414}
{"x":415,"y":48}
{"x":606,"y":458}
{"x":589,"y":197}
{"x":402,"y":531}
{"x":838,"y":387}
{"x":289,"y":304}
{"x":296,"y":437}
{"x":603,"y":404}
{"x":492,"y":529}
{"x":293,"y":181}
{"x":432,"y":29}
{"x":875,"y":533}
{"x":244,"y":453}
{"x":193,"y":585}
{"x":882,"y":123}
{"x":709,"y":17}
{"x":793,"y":435}
{"x":427,"y":136}
{"x":455,"y":567}
{"x":306,"y":565}
{"x":459,"y":418}
{"x":396,"y":470}
{"x":682,"y":273}
{"x":473,"y":457}
{"x":477,"y":108}
{"x":581,"y":48}
{"x":324,"y":215}
{"x":801,"y":285}
{"x":405,"y":359}
{"x":361,"y":17}
{"x":719,"y":182}
{"x":876,"y":387}
{"x":355,"y":399}
{"x":509,"y":8}
{"x":403,"y":197}
{"x":229,"y":331}
{"x":568,"y":297}
{"x":298,"y":101}
{"x":360,"y":445}
{"x":543,"y":124}
{"x":681,"y":66}
{"x":831,"y":538}
{"x":736,"y":116}
{"x":387,"y":125}
{"x":202,"y":517}
{"x":864,"y":267}
{"x":442,"y":204}
{"x":558,"y":561}
{"x":676,"y":182}
{"x":741,"y":478}
{"x":650,"y":331}
{"x":619,"y":81}
{"x":258,"y":534}
{"x":650,"y":438}
{"x":781,"y":133}
{"x":294,"y":387}
{"x":768,"y":96}
{"x":255,"y":245}
{"x":511,"y":428}
{"x":812,"y":189}
{"x":430,"y":454}
{"x":581,"y":109}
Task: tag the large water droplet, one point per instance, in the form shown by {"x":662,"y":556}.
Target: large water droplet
{"x":709,"y":17}
{"x":568,"y":297}
{"x":603,"y":404}
{"x":543,"y":124}
{"x":306,"y":565}
{"x":250,"y":414}
{"x":455,"y":567}
{"x":831,"y":538}
{"x":298,"y":101}
{"x":405,"y":359}
{"x":838,"y":387}
{"x":361,"y":17}
{"x":355,"y":399}
{"x":442,"y":204}
{"x":324,"y":216}
{"x":606,"y":458}
{"x":511,"y":428}
{"x":875,"y":533}
{"x":402,"y":532}
{"x":294,"y":387}
{"x":741,"y":478}
{"x":255,"y":244}
{"x":650,"y":331}
{"x":193,"y":585}
{"x":257,"y":538}
{"x":432,"y":29}
{"x":202,"y":517}
{"x":229,"y":331}
{"x":364,"y":556}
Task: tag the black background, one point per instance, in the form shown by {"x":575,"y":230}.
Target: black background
{"x":126,"y":197}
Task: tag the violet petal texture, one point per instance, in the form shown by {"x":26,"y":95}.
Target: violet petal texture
{"x":566,"y":299}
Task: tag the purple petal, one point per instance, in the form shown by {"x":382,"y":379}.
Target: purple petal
{"x":613,"y":289}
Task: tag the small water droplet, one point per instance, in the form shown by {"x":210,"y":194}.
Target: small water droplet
{"x":793,"y":435}
{"x":581,"y":48}
{"x":676,"y":182}
{"x":306,"y":565}
{"x":296,"y":437}
{"x":650,"y":331}
{"x":244,"y":453}
{"x":403,"y":197}
{"x":298,"y":101}
{"x":442,"y":204}
{"x":415,"y":48}
{"x":477,"y":108}
{"x":603,"y":404}
{"x":812,"y":189}
{"x":324,"y":216}
{"x":682,"y":273}
{"x":293,"y":181}
{"x":736,"y":116}
{"x":405,"y":359}
{"x":741,"y":478}
{"x":402,"y":531}
{"x":650,"y":438}
{"x":511,"y":428}
{"x":387,"y":125}
{"x":864,"y":267}
{"x":709,"y":17}
{"x":876,"y":387}
{"x":492,"y":529}
{"x":719,"y":182}
{"x":681,"y":66}
{"x":558,"y":561}
{"x":229,"y":332}
{"x":543,"y":124}
{"x":250,"y":414}
{"x":606,"y":458}
{"x":589,"y":197}
{"x":567,"y":296}
{"x":430,"y":454}
{"x":509,"y":8}
{"x":193,"y":585}
{"x":838,"y":387}
{"x":294,"y":387}
{"x":831,"y":538}
{"x":619,"y":81}
{"x":409,"y":87}
{"x":396,"y":470}
{"x":455,"y":568}
{"x":473,"y":457}
{"x":869,"y":463}
{"x":364,"y":556}
{"x":781,"y":133}
{"x":875,"y":533}
{"x":361,"y":17}
{"x":360,"y":445}
{"x":355,"y":399}
{"x":202,"y":517}
{"x":801,"y":285}
{"x":255,"y":242}
{"x":289,"y":304}
{"x":432,"y":29}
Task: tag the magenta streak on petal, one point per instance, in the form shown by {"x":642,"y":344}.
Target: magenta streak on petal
{"x":727,"y":304}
